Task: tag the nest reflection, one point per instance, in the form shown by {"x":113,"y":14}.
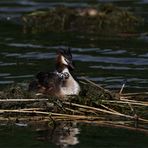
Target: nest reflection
{"x":62,"y":134}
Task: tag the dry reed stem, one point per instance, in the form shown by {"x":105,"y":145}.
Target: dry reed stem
{"x":100,"y":122}
{"x":32,"y":109}
{"x":120,"y":93}
{"x":127,"y":102}
{"x":134,"y":101}
{"x":105,"y":111}
{"x":22,"y":100}
{"x":51,"y":114}
{"x":121,"y":90}
{"x":73,"y":111}
{"x":109,"y":108}
{"x":94,"y":84}
{"x":134,"y":94}
{"x":143,"y":103}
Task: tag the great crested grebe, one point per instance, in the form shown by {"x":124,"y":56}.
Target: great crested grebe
{"x":60,"y":82}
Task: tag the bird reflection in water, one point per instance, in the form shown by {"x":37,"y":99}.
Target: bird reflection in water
{"x":62,"y":134}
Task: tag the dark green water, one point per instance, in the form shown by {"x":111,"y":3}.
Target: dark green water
{"x":81,"y":136}
{"x":107,"y":61}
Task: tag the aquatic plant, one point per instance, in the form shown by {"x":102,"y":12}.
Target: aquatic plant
{"x":103,"y":19}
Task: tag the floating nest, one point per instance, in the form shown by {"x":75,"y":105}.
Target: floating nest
{"x":94,"y":105}
{"x":104,"y":19}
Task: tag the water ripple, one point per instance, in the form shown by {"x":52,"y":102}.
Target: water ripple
{"x":31,"y":55}
{"x":118,"y":68}
{"x":19,"y":76}
{"x":116,"y":60}
{"x":7,"y":82}
{"x":6,"y":64}
{"x":4,"y":74}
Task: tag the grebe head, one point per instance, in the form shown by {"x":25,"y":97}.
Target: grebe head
{"x":64,"y":59}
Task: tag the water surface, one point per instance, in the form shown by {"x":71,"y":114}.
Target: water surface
{"x":106,"y":60}
{"x":70,"y":135}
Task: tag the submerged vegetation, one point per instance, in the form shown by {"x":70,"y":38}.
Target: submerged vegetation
{"x":94,"y":105}
{"x":103,"y":19}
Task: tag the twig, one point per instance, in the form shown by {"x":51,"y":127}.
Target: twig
{"x":22,"y":100}
{"x":100,"y":122}
{"x":86,"y":111}
{"x":105,"y":111}
{"x":32,"y":109}
{"x":73,"y":111}
{"x":132,"y":109}
{"x":134,"y":94}
{"x":109,"y":108}
{"x":52,"y":114}
{"x":94,"y":84}
{"x":120,"y":92}
{"x":127,"y":102}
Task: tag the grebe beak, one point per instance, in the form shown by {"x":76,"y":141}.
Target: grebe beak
{"x":70,"y":64}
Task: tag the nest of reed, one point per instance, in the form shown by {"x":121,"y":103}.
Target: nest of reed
{"x":94,"y":105}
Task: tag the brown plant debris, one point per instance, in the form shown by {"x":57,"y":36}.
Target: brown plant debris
{"x":94,"y":105}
